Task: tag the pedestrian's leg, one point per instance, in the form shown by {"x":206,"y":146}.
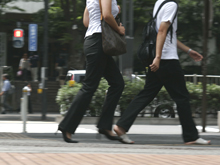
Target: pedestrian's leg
{"x":58,"y":73}
{"x":96,"y":62}
{"x":177,"y":89}
{"x":151,"y":88}
{"x":32,"y":73}
{"x":24,"y":74}
{"x":6,"y":106}
{"x":116,"y":83}
{"x":35,"y":74}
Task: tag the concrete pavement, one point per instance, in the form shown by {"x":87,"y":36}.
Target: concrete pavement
{"x":47,"y":149}
{"x":51,"y":127}
{"x":155,"y":145}
{"x":42,"y":133}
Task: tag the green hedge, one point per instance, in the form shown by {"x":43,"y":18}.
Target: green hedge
{"x":66,"y":94}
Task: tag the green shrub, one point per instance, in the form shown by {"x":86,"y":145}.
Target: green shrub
{"x":98,"y":98}
{"x":132,"y":88}
{"x":65,"y":96}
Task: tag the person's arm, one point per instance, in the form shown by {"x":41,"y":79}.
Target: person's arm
{"x":20,"y":64}
{"x":3,"y":89}
{"x":106,"y":6}
{"x":161,"y":37}
{"x":1,"y":93}
{"x":193,"y":54}
{"x":119,"y":8}
{"x":30,"y":89}
{"x":86,"y":17}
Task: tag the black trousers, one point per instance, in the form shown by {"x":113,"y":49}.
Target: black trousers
{"x":24,"y":74}
{"x":5,"y":101}
{"x":171,"y":76}
{"x":98,"y":64}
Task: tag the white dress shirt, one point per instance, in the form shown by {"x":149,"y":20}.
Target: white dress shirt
{"x":6,"y":86}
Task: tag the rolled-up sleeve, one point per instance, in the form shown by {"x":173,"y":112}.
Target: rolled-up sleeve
{"x":3,"y":88}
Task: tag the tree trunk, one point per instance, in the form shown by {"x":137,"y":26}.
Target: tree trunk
{"x":204,"y":62}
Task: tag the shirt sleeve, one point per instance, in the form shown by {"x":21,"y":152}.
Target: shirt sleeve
{"x":20,"y":64}
{"x":28,"y":89}
{"x":4,"y":87}
{"x":169,"y":12}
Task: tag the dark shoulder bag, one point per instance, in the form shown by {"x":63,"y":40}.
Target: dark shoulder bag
{"x":113,"y":43}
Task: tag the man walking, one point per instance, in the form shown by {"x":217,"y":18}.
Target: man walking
{"x":5,"y":93}
{"x":164,"y":71}
{"x":34,"y":67}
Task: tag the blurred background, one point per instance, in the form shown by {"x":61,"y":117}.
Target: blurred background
{"x":58,"y":34}
{"x":66,"y":31}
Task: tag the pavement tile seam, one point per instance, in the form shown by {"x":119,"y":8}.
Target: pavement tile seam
{"x":86,"y":160}
{"x":3,"y":161}
{"x":32,"y":158}
{"x":108,"y":159}
{"x":132,"y":158}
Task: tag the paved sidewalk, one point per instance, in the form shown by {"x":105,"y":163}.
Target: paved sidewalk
{"x":155,"y":145}
{"x":105,"y":159}
{"x":51,"y":127}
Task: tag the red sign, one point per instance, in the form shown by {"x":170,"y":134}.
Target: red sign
{"x":18,"y":33}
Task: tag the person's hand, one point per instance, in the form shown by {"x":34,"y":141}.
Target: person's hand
{"x":119,"y":8}
{"x":121,"y":29}
{"x":195,"y":55}
{"x":155,"y":65}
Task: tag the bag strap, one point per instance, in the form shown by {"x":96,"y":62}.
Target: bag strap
{"x":161,"y":5}
{"x":100,"y":5}
{"x":100,"y":9}
{"x":171,"y":25}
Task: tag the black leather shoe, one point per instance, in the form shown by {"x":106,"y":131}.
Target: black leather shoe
{"x":3,"y":112}
{"x":65,"y":138}
{"x":107,"y":135}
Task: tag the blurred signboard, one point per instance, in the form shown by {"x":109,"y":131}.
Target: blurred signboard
{"x":32,"y":40}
